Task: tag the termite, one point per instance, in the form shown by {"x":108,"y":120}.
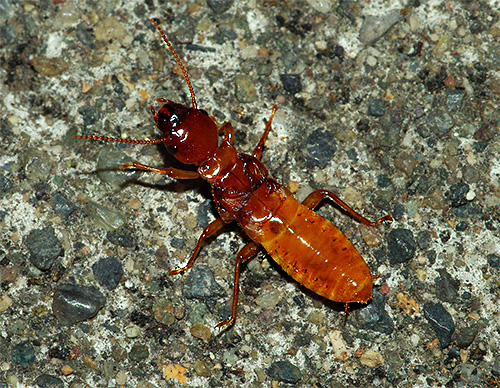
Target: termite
{"x":307,"y":246}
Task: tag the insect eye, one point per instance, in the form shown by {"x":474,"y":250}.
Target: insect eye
{"x":204,"y":112}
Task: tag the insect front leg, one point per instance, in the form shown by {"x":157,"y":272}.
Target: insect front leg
{"x":257,"y":152}
{"x":314,"y":199}
{"x":209,"y":230}
{"x":171,"y":172}
{"x":245,"y":254}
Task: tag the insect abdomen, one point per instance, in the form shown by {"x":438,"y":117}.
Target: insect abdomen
{"x":307,"y":246}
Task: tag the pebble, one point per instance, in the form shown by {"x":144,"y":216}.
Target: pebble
{"x":318,"y":149}
{"x":457,"y":196}
{"x":48,"y":381}
{"x":105,"y":217}
{"x":23,"y":354}
{"x":200,"y":284}
{"x":44,"y":248}
{"x":90,"y":115}
{"x":493,"y":260}
{"x":371,"y":359}
{"x":108,"y":272}
{"x":49,"y":67}
{"x":376,"y":107}
{"x":291,"y":83}
{"x":108,"y":29}
{"x":321,"y":5}
{"x":163,"y":310}
{"x":132,"y":331}
{"x":75,"y":303}
{"x":284,"y":371}
{"x":121,"y":378}
{"x":373,"y":317}
{"x":441,"y":321}
{"x":108,"y":161}
{"x":5,"y":303}
{"x":245,"y":88}
{"x":201,"y":368}
{"x":200,"y":331}
{"x":5,"y":186}
{"x":62,"y":205}
{"x":219,"y":6}
{"x":138,"y":352}
{"x":121,"y":237}
{"x":402,"y":246}
{"x":268,"y":299}
{"x":446,"y":287}
{"x":374,"y":26}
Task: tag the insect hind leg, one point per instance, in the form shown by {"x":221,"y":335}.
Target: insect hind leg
{"x":315,"y":198}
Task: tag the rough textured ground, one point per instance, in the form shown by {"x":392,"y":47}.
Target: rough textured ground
{"x":395,"y":109}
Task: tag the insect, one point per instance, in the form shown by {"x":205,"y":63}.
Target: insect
{"x":307,"y":246}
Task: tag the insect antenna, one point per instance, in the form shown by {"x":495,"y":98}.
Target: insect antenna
{"x":118,"y":140}
{"x":179,"y":62}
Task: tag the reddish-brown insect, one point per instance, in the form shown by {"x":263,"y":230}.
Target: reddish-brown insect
{"x":307,"y":246}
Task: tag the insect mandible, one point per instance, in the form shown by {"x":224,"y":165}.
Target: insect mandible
{"x":307,"y":246}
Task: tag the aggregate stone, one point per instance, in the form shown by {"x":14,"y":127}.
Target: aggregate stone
{"x":219,"y":6}
{"x":121,"y":237}
{"x":446,"y":287}
{"x":291,"y":83}
{"x":200,"y":283}
{"x":457,"y":195}
{"x":138,"y":352}
{"x":318,"y":149}
{"x":62,"y":205}
{"x":374,"y":26}
{"x":108,"y":272}
{"x":23,"y":354}
{"x":49,"y":381}
{"x":75,"y":303}
{"x":284,"y":371}
{"x":402,"y":246}
{"x":44,"y":248}
{"x":374,"y":316}
{"x":441,"y":321}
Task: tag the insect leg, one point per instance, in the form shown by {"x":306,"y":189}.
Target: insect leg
{"x":171,"y":172}
{"x":257,"y":152}
{"x":209,"y":230}
{"x":228,"y":130}
{"x":314,"y":199}
{"x":246,"y":253}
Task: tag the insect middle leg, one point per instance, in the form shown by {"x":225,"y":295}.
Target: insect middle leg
{"x":171,"y":172}
{"x":209,"y":231}
{"x":314,"y":199}
{"x":245,"y":254}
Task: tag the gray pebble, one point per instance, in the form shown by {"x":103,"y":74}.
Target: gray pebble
{"x":62,"y":205}
{"x":108,"y":162}
{"x":441,"y":321}
{"x":75,"y":303}
{"x":373,"y":317}
{"x":318,"y":149}
{"x":219,"y":6}
{"x":44,"y":248}
{"x":23,"y":354}
{"x":402,"y":246}
{"x":105,"y":217}
{"x":291,"y":83}
{"x":284,"y":371}
{"x":446,"y":286}
{"x":200,"y":284}
{"x":108,"y":272}
{"x":374,"y":26}
{"x":49,"y":381}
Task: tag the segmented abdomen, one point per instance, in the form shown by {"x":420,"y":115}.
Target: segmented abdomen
{"x":307,"y":246}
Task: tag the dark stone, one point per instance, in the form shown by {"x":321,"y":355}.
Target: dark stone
{"x":291,"y":83}
{"x":376,"y":107}
{"x":108,"y":272}
{"x":374,"y":316}
{"x":284,"y":371}
{"x":44,"y":248}
{"x":138,"y":352}
{"x":62,"y":205}
{"x":318,"y":149}
{"x":441,"y":321}
{"x":457,"y":194}
{"x":121,"y":237}
{"x":49,"y":381}
{"x":493,"y":260}
{"x":74,"y":303}
{"x":402,"y":246}
{"x":89,"y":114}
{"x":383,"y":181}
{"x":23,"y":354}
{"x":200,"y":284}
{"x":219,"y":6}
{"x":446,"y":286}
